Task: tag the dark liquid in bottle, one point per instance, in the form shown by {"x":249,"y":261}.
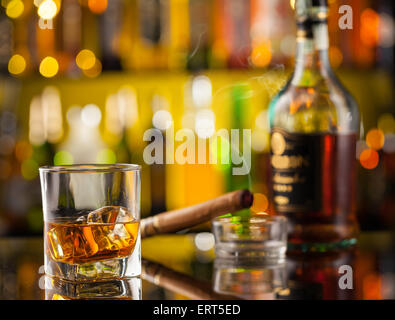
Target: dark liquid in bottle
{"x":313,"y":183}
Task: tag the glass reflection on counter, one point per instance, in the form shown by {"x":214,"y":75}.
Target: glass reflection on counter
{"x":120,"y":289}
{"x":252,"y":279}
{"x":318,"y":275}
{"x":338,"y":275}
{"x":314,"y":276}
{"x":355,"y":273}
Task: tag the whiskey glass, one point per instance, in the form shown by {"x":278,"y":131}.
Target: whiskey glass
{"x":91,"y":221}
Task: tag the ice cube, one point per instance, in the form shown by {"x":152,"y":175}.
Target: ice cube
{"x":124,"y":215}
{"x":110,"y":214}
{"x":102,"y":234}
{"x":67,"y":243}
{"x":120,"y":235}
{"x":82,"y":219}
{"x":115,"y":236}
{"x":58,"y":248}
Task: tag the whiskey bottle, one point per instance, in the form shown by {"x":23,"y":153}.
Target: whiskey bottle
{"x":314,"y":124}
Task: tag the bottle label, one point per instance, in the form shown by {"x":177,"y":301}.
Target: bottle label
{"x":296,"y":171}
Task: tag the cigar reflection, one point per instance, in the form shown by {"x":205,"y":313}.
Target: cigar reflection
{"x":180,"y":283}
{"x":250,"y":278}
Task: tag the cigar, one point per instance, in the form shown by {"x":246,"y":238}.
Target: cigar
{"x":176,"y":220}
{"x":180,"y":283}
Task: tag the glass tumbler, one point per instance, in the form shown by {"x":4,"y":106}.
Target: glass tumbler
{"x":91,"y":221}
{"x":260,"y":236}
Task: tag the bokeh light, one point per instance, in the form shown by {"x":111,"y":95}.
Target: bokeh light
{"x":63,"y":158}
{"x":162,"y":119}
{"x":91,"y":115}
{"x":375,"y":139}
{"x":47,"y":9}
{"x":369,"y":31}
{"x":14,"y":9}
{"x":205,"y":123}
{"x":49,"y":67}
{"x":369,"y":159}
{"x":94,"y":71}
{"x":260,"y":204}
{"x":53,"y":108}
{"x":97,"y":6}
{"x":261,"y":55}
{"x":106,"y":156}
{"x":202,"y":91}
{"x":204,"y":241}
{"x":85,"y":59}
{"x":16,"y":64}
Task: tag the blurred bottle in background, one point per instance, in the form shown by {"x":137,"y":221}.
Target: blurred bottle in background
{"x":200,"y":20}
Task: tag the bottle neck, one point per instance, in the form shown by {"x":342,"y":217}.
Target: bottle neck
{"x":312,"y":58}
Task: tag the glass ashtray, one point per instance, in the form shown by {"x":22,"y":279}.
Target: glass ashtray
{"x":260,"y":236}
